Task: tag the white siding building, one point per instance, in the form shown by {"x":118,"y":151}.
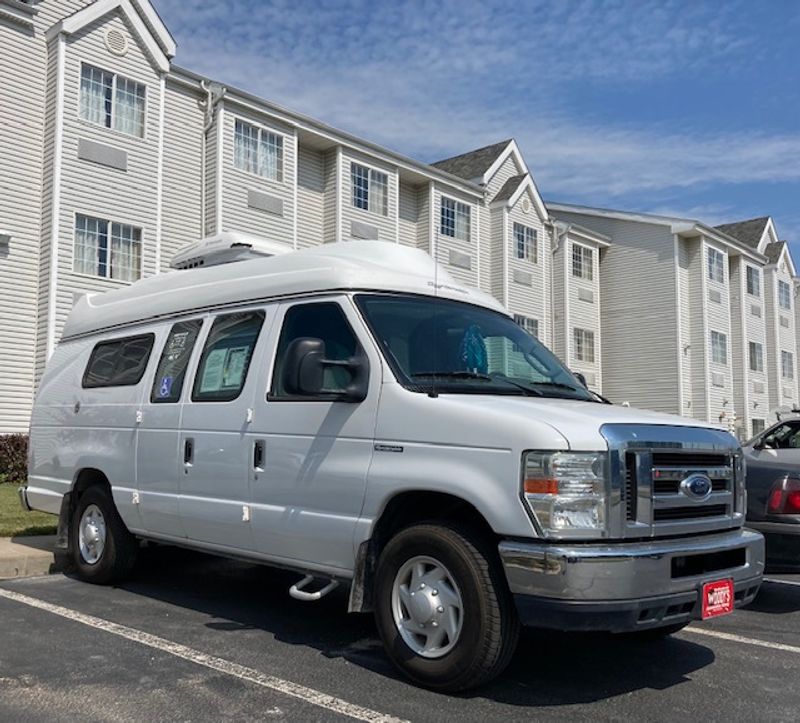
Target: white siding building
{"x":112,"y":158}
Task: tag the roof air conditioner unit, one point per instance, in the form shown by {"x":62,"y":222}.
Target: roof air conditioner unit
{"x":225,"y":248}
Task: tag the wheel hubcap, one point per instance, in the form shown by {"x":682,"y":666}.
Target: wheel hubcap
{"x":427,"y":607}
{"x":92,"y":534}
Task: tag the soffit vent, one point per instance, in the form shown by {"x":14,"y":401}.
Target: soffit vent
{"x":116,"y":42}
{"x":526,"y":205}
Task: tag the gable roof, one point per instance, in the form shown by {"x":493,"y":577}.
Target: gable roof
{"x":773,"y":251}
{"x":507,"y":191}
{"x":146,"y":26}
{"x":473,"y":164}
{"x":749,"y":232}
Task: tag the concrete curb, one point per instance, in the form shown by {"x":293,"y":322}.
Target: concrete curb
{"x":28,"y":556}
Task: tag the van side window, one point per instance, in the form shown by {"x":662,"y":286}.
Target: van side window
{"x":324,"y":321}
{"x":168,"y":382}
{"x":226,"y":357}
{"x":118,"y":362}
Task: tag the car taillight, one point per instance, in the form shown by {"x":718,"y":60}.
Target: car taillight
{"x":785,"y":498}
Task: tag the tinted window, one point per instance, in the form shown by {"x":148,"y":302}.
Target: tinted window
{"x":784,"y":436}
{"x":168,"y":382}
{"x":118,"y":363}
{"x":226,"y":357}
{"x":317,"y":321}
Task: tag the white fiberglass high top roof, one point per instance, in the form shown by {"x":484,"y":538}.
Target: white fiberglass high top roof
{"x":343,"y":266}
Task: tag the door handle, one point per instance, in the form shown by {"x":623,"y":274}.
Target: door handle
{"x":258,"y":455}
{"x":188,"y":451}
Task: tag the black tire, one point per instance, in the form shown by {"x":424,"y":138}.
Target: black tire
{"x":119,"y":553}
{"x":489,"y":627}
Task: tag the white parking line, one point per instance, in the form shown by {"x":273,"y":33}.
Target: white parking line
{"x":746,"y":641}
{"x":301,"y":692}
{"x":782,"y":582}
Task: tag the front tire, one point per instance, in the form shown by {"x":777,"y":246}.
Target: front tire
{"x":103,"y":550}
{"x":443,"y":609}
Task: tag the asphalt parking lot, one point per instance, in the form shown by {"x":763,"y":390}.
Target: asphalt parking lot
{"x":193,"y":637}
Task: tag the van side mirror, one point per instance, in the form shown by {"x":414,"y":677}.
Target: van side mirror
{"x":304,"y":372}
{"x":580,"y":378}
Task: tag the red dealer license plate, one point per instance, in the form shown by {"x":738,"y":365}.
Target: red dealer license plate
{"x":717,"y":598}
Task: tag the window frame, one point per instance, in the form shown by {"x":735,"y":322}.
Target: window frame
{"x":723,"y":339}
{"x":759,"y":347}
{"x":118,"y":340}
{"x":262,"y":129}
{"x":456,"y":204}
{"x":198,"y":367}
{"x":580,"y":339}
{"x":114,"y":75}
{"x":711,"y":265}
{"x":756,"y":275}
{"x":530,"y":247}
{"x":371,"y":172}
{"x":522,"y":321}
{"x":109,"y":222}
{"x":583,"y":252}
{"x":787,"y":355}
{"x":781,"y":286}
{"x":154,"y":398}
{"x":272,"y":395}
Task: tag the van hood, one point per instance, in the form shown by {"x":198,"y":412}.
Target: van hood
{"x":578,"y":422}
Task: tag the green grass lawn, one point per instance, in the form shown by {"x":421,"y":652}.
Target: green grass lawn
{"x":16,"y":521}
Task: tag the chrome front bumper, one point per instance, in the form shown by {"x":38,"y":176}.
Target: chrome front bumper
{"x":628,"y":585}
{"x":23,"y":498}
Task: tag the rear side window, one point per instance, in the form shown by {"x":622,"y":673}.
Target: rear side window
{"x":119,"y":362}
{"x":168,"y":382}
{"x":226,"y":357}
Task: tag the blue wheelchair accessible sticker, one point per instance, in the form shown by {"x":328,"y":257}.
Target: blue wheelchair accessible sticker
{"x":166,"y":387}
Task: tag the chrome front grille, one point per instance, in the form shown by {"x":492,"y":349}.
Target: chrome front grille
{"x":652,"y":463}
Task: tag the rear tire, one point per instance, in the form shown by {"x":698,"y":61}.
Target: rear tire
{"x":103,"y":551}
{"x":465,"y":594}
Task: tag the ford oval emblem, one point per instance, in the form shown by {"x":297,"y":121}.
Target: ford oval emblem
{"x":697,"y":486}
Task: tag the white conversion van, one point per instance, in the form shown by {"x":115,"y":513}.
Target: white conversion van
{"x":353,"y":413}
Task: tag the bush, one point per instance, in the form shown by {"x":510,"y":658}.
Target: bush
{"x":13,"y":457}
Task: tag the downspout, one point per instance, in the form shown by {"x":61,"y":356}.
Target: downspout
{"x":214,"y":94}
{"x":559,"y":231}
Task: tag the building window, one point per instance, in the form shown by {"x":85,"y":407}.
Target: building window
{"x":758,"y":426}
{"x":584,"y":344}
{"x":784,"y":295}
{"x":112,"y":101}
{"x":526,"y":322}
{"x":370,"y":189}
{"x":455,"y":219}
{"x":716,"y":265}
{"x":787,"y":365}
{"x":756,"y":357}
{"x":753,"y":281}
{"x":258,"y":151}
{"x":582,"y":262}
{"x":108,"y":249}
{"x":526,"y":243}
{"x":719,"y":348}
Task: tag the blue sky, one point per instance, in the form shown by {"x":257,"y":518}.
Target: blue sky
{"x":685,"y":108}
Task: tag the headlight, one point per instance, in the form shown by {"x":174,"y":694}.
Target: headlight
{"x":566,"y":491}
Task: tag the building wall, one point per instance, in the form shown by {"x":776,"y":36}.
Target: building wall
{"x":451,"y":251}
{"x":22,"y":121}
{"x":638,"y":313}
{"x":780,"y":324}
{"x":310,"y":197}
{"x":377,"y":226}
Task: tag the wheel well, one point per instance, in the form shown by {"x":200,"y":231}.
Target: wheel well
{"x":87,"y":478}
{"x":403,"y":510}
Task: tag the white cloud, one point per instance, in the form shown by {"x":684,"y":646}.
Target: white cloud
{"x":432,"y":79}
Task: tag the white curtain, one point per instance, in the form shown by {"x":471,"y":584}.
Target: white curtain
{"x":96,"y":95}
{"x":377,"y":193}
{"x":126,"y":250}
{"x":129,"y":107}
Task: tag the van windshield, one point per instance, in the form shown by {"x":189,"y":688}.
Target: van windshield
{"x":453,"y":347}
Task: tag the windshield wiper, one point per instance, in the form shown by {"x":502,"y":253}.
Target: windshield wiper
{"x":557,"y":385}
{"x":463,"y":374}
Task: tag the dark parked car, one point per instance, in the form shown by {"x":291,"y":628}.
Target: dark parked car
{"x":773,"y":490}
